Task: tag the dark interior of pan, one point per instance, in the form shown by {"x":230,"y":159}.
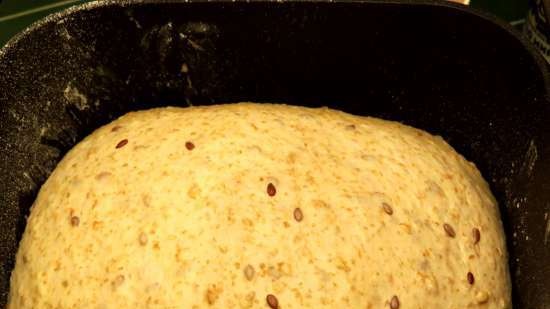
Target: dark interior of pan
{"x":431,"y":65}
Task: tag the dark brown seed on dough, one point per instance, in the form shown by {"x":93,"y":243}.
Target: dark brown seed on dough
{"x":471,"y":278}
{"x":387,"y":208}
{"x":189,"y":145}
{"x":271,"y":191}
{"x":272,"y":301}
{"x":115,"y":128}
{"x":75,"y":221}
{"x":298,"y":215}
{"x":449,"y":230}
{"x":394,"y":302}
{"x":477,"y":235}
{"x":122,"y":143}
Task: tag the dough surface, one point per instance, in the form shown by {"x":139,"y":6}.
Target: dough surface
{"x":221,"y":206}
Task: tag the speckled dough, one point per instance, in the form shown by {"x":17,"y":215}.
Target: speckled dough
{"x":259,"y":206}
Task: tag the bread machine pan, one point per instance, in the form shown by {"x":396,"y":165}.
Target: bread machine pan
{"x":437,"y":66}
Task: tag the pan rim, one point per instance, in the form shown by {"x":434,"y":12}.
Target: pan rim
{"x":488,"y":17}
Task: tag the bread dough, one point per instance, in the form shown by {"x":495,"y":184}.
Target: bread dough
{"x":261,"y":206}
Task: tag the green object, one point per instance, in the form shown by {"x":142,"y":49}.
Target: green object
{"x":16,"y":15}
{"x":509,"y":10}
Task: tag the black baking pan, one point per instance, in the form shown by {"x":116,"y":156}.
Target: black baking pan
{"x":433,"y":65}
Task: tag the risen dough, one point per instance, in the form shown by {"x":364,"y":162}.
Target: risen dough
{"x":221,"y":206}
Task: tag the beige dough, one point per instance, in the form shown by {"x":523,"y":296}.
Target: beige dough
{"x":259,"y":206}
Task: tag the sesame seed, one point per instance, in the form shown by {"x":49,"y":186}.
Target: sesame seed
{"x":271,"y":191}
{"x":449,"y":230}
{"x":103,"y":176}
{"x":298,"y":215}
{"x":272,"y":301}
{"x":249,"y":272}
{"x":190,"y":146}
{"x":394,"y":302}
{"x":387,"y":208}
{"x":122,"y":143}
{"x":482,"y":297}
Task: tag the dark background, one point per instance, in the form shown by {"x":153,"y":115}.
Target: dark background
{"x":15,"y":15}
